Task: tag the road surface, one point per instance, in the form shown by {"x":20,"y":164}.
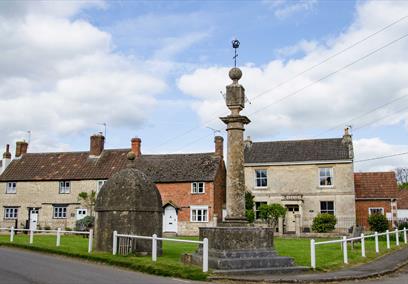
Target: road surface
{"x":22,"y":266}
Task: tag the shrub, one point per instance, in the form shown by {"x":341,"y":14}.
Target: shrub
{"x":47,"y":227}
{"x":403,"y":225}
{"x":270,"y":213}
{"x":85,"y":223}
{"x":378,"y":223}
{"x":324,"y":223}
{"x":68,"y":229}
{"x":250,"y":215}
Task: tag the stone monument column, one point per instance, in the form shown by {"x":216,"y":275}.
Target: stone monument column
{"x":235,"y":100}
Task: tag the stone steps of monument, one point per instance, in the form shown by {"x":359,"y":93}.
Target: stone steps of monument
{"x":243,"y":254}
{"x":250,"y":262}
{"x":268,"y":270}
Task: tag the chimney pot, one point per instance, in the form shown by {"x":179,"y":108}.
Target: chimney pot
{"x":97,"y":144}
{"x":219,"y":146}
{"x":21,"y":148}
{"x":136,"y":145}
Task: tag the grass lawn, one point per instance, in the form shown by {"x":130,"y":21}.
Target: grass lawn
{"x":328,"y":257}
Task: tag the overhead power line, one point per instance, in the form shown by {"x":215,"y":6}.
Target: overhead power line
{"x":381,"y":157}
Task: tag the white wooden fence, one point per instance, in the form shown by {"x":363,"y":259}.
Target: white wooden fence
{"x":154,"y":239}
{"x":343,"y":241}
{"x":58,"y":233}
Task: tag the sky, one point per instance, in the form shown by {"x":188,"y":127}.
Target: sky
{"x":157,"y":70}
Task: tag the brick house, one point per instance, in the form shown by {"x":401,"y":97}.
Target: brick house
{"x":376,"y":192}
{"x":306,"y":176}
{"x":402,"y":204}
{"x":46,"y":185}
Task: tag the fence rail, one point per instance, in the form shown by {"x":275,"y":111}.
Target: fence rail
{"x":58,"y":233}
{"x":343,"y":241}
{"x":154,"y":239}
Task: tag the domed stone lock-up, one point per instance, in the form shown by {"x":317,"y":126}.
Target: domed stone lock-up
{"x":129,"y":203}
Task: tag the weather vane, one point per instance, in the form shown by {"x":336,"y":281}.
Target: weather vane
{"x":235,"y":45}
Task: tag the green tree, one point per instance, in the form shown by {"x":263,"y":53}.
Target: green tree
{"x":249,"y":207}
{"x":88,"y":200}
{"x":270,"y":213}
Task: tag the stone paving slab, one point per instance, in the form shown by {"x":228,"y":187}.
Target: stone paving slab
{"x":386,"y":264}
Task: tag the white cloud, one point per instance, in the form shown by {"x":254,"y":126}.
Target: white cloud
{"x":358,"y":89}
{"x":284,"y":9}
{"x":59,"y":75}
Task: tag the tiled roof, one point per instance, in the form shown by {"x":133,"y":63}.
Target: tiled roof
{"x":78,"y":166}
{"x":297,"y":151}
{"x":402,"y":199}
{"x":376,"y":185}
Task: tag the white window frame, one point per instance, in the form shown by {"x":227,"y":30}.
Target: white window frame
{"x":197,"y":208}
{"x":10,"y":213}
{"x":334,"y":206}
{"x":63,"y":188}
{"x":332,"y":177}
{"x":260,"y":178}
{"x":59,"y":215}
{"x":99,"y":184}
{"x":381,"y":208}
{"x":11,"y":187}
{"x":195,"y":186}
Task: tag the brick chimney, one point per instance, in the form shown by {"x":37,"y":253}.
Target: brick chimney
{"x":97,"y":144}
{"x":219,"y":146}
{"x":136,"y":144}
{"x":6,"y":159}
{"x":347,"y":140}
{"x":21,"y":148}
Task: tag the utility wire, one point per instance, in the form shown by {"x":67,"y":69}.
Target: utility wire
{"x":329,"y":58}
{"x":381,"y":157}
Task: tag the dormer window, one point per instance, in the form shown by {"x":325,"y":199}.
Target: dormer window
{"x":197,"y":187}
{"x":11,"y":187}
{"x":64,"y":187}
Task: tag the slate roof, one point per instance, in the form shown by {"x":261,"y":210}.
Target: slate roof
{"x":78,"y":166}
{"x":376,"y":185}
{"x":297,"y":151}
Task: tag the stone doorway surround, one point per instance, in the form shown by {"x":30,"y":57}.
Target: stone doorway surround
{"x":294,"y":205}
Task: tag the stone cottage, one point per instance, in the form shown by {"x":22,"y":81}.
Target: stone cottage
{"x":46,"y":185}
{"x":306,"y":176}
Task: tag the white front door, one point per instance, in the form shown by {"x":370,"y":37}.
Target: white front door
{"x":290,"y":217}
{"x":170,"y":219}
{"x":33,"y":220}
{"x":81,"y":213}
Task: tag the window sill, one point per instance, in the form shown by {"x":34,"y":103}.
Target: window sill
{"x":198,"y":193}
{"x":198,"y":221}
{"x":326,"y":187}
{"x":10,"y":219}
{"x":11,"y":192}
{"x":260,"y":187}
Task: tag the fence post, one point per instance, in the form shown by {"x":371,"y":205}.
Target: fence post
{"x":405,"y":235}
{"x":345,"y":258}
{"x":205,"y":255}
{"x":31,"y":236}
{"x":377,"y":248}
{"x":363,"y":254}
{"x":90,"y":239}
{"x":58,"y":237}
{"x":11,"y":234}
{"x":388,"y":239}
{"x":312,"y":254}
{"x":115,"y":242}
{"x":154,"y":247}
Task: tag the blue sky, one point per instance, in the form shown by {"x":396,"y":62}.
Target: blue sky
{"x":155,"y":69}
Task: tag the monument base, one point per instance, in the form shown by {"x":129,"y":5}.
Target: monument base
{"x":239,"y":250}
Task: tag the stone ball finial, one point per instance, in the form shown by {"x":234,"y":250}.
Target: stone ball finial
{"x":131,"y":156}
{"x":235,"y":74}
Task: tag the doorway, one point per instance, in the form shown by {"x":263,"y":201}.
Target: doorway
{"x":290,"y":217}
{"x":170,"y":219}
{"x":33,"y":218}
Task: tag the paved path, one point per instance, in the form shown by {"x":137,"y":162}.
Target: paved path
{"x":22,"y":266}
{"x":382,"y":266}
{"x":401,"y":277}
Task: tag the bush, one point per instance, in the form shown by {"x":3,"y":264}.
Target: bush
{"x":47,"y":227}
{"x":378,"y":223}
{"x":85,"y":223}
{"x":403,"y":225}
{"x":324,"y":223}
{"x":250,"y":215}
{"x":68,"y":229}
